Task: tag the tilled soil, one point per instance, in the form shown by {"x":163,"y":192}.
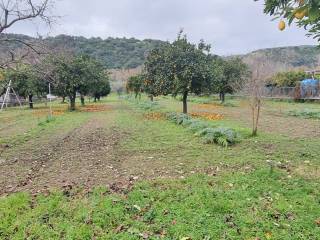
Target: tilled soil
{"x":86,"y":156}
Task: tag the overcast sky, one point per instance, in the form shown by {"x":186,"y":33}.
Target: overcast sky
{"x":230,"y":26}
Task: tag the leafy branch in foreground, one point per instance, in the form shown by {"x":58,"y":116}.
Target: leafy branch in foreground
{"x":305,"y":13}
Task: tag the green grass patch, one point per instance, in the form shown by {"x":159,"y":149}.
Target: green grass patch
{"x":245,"y":198}
{"x":305,"y":113}
{"x":257,"y":205}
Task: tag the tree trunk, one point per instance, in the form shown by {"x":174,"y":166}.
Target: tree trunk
{"x":63,"y":99}
{"x":222,"y":97}
{"x":255,"y":117}
{"x":30,"y":101}
{"x":82,"y":100}
{"x":99,"y":98}
{"x":185,"y":104}
{"x":72,"y":102}
{"x":255,"y":130}
{"x":151,"y":98}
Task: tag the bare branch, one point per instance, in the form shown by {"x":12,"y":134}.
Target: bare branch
{"x":13,"y":11}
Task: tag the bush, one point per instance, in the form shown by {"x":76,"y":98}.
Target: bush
{"x":198,"y":125}
{"x":217,"y":135}
{"x":221,"y":136}
{"x":179,"y":118}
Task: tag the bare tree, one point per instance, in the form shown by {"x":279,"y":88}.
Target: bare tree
{"x":15,"y":11}
{"x":253,"y":89}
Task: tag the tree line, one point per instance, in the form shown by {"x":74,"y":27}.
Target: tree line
{"x":67,"y":74}
{"x":114,"y":53}
{"x":183,"y":68}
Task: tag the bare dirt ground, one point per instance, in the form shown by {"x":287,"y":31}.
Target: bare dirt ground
{"x":89,"y":152}
{"x":271,"y":120}
{"x":82,"y":156}
{"x":85,"y":156}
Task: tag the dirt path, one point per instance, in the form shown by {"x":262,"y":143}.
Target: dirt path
{"x":86,"y":156}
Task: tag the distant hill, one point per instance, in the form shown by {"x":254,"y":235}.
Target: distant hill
{"x":124,"y":53}
{"x":115,"y":53}
{"x":284,"y":58}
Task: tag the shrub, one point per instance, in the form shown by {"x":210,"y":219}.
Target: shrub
{"x":187,"y":122}
{"x":179,"y":118}
{"x":217,"y":135}
{"x":197,"y":126}
{"x":220,"y":136}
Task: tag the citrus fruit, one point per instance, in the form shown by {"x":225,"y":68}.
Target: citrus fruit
{"x":299,"y":14}
{"x":282,"y":25}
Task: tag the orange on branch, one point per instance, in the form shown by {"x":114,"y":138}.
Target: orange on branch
{"x":299,"y":14}
{"x":282,"y":25}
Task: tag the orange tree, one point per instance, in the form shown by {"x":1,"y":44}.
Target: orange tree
{"x":135,"y":84}
{"x":180,"y":68}
{"x":27,"y":82}
{"x":288,"y":79}
{"x":100,"y":87}
{"x":230,"y":74}
{"x":155,"y":71}
{"x":305,"y":13}
{"x":77,"y":74}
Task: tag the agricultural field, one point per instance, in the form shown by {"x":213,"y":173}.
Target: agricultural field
{"x":120,"y":169}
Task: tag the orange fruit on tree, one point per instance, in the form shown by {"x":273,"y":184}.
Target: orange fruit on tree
{"x":282,"y":25}
{"x":299,"y":14}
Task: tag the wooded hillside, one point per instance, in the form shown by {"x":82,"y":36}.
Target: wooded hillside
{"x":116,"y":53}
{"x":112,"y":52}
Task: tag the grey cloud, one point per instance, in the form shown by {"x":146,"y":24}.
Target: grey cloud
{"x":231,"y":26}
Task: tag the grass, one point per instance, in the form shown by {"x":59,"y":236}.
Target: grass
{"x":305,"y":113}
{"x":200,"y":191}
{"x":256,"y":205}
{"x":25,"y":126}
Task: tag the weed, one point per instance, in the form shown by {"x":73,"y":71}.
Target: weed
{"x":49,"y":119}
{"x":306,"y":113}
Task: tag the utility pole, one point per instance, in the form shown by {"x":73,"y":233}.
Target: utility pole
{"x":50,"y":100}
